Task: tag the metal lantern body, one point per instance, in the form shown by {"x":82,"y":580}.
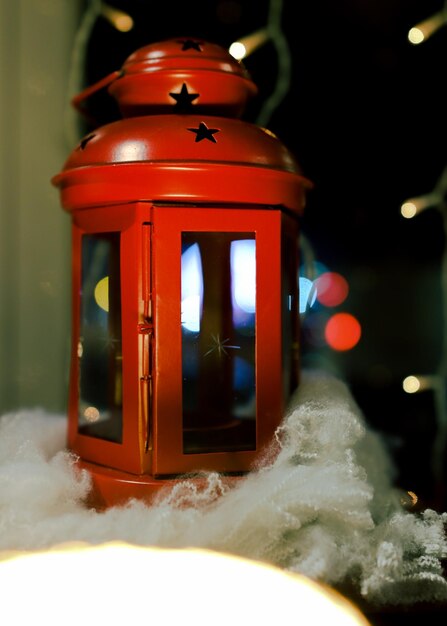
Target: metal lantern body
{"x":185,"y":262}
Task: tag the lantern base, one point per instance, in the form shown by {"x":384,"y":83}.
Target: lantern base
{"x":111,"y":487}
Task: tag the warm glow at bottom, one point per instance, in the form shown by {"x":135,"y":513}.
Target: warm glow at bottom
{"x":342,"y":331}
{"x":116,"y":583}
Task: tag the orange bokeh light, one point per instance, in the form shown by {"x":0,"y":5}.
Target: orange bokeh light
{"x":342,"y":331}
{"x":332,"y":288}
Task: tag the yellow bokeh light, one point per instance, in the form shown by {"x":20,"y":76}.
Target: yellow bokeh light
{"x":427,"y":28}
{"x":415,"y":36}
{"x":237,"y":50}
{"x":119,"y":19}
{"x":248,"y":44}
{"x":91,"y":414}
{"x":411,"y":384}
{"x":408,"y":210}
{"x":102,"y":293}
{"x":226,"y":589}
{"x":123,"y":23}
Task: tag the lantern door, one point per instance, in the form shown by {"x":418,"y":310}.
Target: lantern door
{"x":218,"y":392}
{"x":106,"y":408}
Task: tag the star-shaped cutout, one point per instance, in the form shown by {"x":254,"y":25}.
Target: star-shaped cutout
{"x":183,"y":99}
{"x":190,"y":44}
{"x":203,"y":132}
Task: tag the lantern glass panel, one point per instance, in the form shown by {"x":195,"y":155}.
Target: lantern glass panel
{"x":218,"y":313}
{"x":99,"y":348}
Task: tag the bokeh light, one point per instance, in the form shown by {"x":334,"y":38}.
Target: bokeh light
{"x":408,"y":210}
{"x":411,"y":384}
{"x":342,"y":331}
{"x":332,"y":288}
{"x":237,"y":50}
{"x":271,"y":595}
{"x":415,"y":36}
{"x":102,"y":293}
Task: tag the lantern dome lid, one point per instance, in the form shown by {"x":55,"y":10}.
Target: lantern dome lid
{"x":181,"y":139}
{"x":180,"y":75}
{"x":182,"y":158}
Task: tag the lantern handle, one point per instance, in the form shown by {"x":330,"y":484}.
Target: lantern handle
{"x":79,"y":100}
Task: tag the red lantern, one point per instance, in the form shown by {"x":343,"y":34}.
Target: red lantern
{"x":185,"y":263}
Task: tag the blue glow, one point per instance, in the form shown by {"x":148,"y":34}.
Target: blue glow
{"x":308,"y":293}
{"x":192,"y":289}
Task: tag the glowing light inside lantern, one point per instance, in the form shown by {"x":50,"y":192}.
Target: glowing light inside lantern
{"x":342,"y":331}
{"x":260,"y":593}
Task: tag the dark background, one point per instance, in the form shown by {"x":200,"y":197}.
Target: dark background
{"x":365,"y":117}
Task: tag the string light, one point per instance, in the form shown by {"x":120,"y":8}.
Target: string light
{"x":250,"y":43}
{"x":245,"y":46}
{"x":425,"y":29}
{"x":436,"y":199}
{"x":412,"y":384}
{"x":415,"y":384}
{"x":284,"y":73}
{"x":411,"y":207}
{"x":122,"y":22}
{"x":117,"y":18}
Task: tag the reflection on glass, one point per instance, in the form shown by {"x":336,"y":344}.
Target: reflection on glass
{"x":99,"y":348}
{"x":308,"y":293}
{"x":218,"y":313}
{"x":192,"y":288}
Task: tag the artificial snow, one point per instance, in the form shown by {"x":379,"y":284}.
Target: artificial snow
{"x":322,"y":504}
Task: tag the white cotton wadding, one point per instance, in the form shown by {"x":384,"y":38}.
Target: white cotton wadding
{"x":322,"y":504}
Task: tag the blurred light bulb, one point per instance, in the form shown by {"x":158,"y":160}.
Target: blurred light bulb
{"x":248,"y":44}
{"x":119,"y":19}
{"x":413,"y":206}
{"x":408,"y":210}
{"x":425,"y":29}
{"x":237,"y":50}
{"x":413,"y":384}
